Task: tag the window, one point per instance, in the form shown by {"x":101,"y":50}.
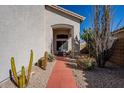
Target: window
{"x":62,"y":36}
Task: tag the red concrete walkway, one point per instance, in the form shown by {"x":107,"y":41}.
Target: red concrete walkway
{"x":61,"y":77}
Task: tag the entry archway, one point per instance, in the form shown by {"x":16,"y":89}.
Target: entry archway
{"x":62,"y":38}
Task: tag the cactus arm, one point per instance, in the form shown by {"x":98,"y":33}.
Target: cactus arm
{"x":13,"y":67}
{"x":23,"y":77}
{"x":20,"y":82}
{"x":30,"y":65}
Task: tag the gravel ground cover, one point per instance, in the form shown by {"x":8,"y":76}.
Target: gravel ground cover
{"x":112,"y":76}
{"x":38,"y":78}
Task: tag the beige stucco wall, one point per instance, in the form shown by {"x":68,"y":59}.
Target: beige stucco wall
{"x":21,"y":29}
{"x":27,"y":27}
{"x":52,"y":18}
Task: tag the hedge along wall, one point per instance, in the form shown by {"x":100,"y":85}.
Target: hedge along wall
{"x":118,"y":50}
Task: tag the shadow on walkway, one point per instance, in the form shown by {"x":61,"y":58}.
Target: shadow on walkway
{"x":69,"y":62}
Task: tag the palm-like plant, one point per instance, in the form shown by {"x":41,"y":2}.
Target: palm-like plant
{"x":88,"y":37}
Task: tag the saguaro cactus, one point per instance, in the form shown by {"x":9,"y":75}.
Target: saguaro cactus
{"x":14,"y":70}
{"x":30,"y":65}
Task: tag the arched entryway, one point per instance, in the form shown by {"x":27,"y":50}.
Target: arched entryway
{"x":62,"y":38}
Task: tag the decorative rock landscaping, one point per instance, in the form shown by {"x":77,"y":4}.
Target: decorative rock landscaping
{"x":39,"y":77}
{"x":110,"y":77}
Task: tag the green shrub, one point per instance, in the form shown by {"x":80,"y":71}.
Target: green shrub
{"x":51,"y":57}
{"x":45,"y":61}
{"x":42,"y":62}
{"x":86,"y":63}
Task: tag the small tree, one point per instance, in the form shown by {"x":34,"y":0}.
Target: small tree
{"x":103,"y":37}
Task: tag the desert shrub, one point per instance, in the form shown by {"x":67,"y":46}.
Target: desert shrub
{"x":51,"y":57}
{"x":42,"y":62}
{"x":86,"y":63}
{"x":45,"y":61}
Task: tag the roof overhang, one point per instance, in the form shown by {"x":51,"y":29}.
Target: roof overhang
{"x":65,"y":11}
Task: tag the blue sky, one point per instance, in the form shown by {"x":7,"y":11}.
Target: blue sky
{"x":86,"y":11}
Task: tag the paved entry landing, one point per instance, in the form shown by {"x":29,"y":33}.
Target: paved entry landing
{"x":62,"y":76}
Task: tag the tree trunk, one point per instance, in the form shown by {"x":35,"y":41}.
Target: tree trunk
{"x":102,"y":33}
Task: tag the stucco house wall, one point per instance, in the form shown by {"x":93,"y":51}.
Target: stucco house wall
{"x":21,"y":29}
{"x":53,"y":18}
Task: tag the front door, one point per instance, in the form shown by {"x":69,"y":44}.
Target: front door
{"x":62,"y":46}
